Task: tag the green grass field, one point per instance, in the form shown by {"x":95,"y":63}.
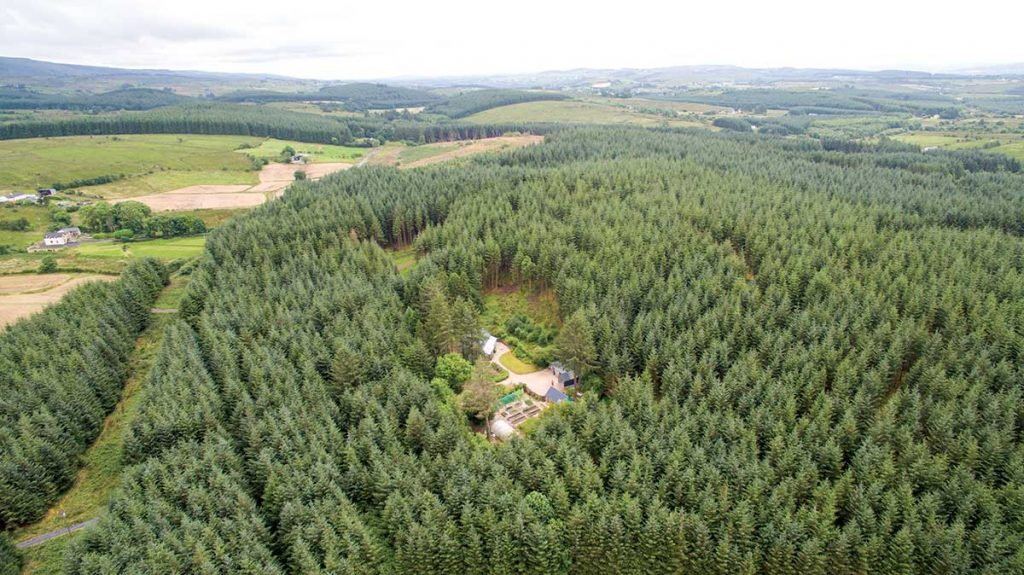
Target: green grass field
{"x":39,"y":222}
{"x":574,"y":112}
{"x":318,"y":153}
{"x":170,"y":249}
{"x":1012,"y":146}
{"x":38,"y":162}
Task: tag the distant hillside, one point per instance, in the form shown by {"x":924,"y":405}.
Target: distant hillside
{"x":126,"y":99}
{"x":469,"y":103}
{"x":73,"y":78}
{"x":355,"y":97}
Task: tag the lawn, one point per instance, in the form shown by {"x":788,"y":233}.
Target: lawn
{"x":574,"y":111}
{"x":516,"y":365}
{"x":318,"y":153}
{"x":41,"y":162}
{"x":169,"y":249}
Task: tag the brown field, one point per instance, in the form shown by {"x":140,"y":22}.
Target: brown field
{"x":274,"y":178}
{"x":24,"y":295}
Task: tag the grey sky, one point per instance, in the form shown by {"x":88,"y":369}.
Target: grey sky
{"x":342,"y":39}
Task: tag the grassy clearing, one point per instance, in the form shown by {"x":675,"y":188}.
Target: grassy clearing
{"x":32,"y":163}
{"x":417,"y":153}
{"x":102,"y":463}
{"x":318,"y":153}
{"x":526,"y":321}
{"x":169,"y":249}
{"x":574,"y":111}
{"x":404,"y":259}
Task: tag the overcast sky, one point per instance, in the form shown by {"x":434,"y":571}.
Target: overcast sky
{"x":338,"y":39}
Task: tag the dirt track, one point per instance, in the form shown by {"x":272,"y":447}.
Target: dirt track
{"x":24,"y":295}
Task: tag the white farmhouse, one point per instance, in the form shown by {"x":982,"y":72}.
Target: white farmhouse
{"x":55,"y":239}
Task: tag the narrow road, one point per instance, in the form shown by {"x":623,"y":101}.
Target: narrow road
{"x":366,"y":157}
{"x":54,"y":534}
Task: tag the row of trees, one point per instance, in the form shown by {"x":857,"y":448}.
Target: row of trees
{"x":130,"y":219}
{"x":61,"y":371}
{"x":247,"y":120}
{"x":811,"y":363}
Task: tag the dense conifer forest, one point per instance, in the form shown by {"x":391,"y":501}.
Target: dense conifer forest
{"x":61,"y":372}
{"x":807,"y":360}
{"x":244,"y":120}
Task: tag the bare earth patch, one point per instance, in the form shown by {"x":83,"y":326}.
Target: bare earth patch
{"x":274,"y":178}
{"x":24,"y":295}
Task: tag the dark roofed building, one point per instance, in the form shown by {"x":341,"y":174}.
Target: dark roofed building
{"x":555,"y":396}
{"x":565,"y":376}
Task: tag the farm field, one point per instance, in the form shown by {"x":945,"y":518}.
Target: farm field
{"x":273,"y":179}
{"x":24,"y":295}
{"x":42,"y":162}
{"x":573,"y":112}
{"x":149,"y":164}
{"x":271,"y":149}
{"x":169,"y":249}
{"x":38,"y":218}
{"x":1009,"y":145}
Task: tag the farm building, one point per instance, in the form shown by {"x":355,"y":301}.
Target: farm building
{"x":565,"y":376}
{"x":488,"y":343}
{"x":555,"y":396}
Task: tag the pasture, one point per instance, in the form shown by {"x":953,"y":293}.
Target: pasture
{"x":179,"y":159}
{"x":169,"y":249}
{"x":1010,"y":145}
{"x":318,"y":153}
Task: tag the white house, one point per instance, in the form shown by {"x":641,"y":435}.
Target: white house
{"x":62,"y":237}
{"x":55,"y":239}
